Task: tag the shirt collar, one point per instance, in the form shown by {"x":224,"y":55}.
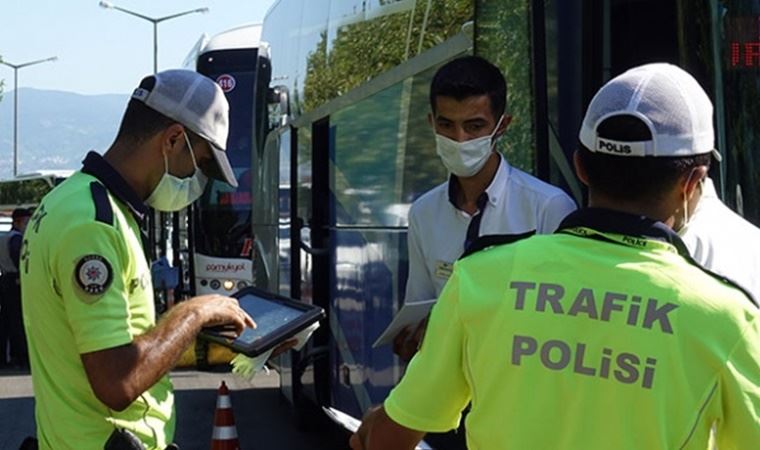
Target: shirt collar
{"x":617,"y":222}
{"x":95,"y":165}
{"x":495,"y":190}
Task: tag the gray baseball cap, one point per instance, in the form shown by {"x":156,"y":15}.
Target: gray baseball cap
{"x":199,"y":104}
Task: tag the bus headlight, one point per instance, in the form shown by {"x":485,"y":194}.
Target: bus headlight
{"x":229,"y":284}
{"x":215,"y":284}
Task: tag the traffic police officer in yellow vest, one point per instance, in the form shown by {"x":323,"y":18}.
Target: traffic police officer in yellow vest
{"x":99,"y":359}
{"x":606,"y":334}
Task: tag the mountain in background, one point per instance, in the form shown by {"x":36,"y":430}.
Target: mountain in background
{"x":56,"y":128}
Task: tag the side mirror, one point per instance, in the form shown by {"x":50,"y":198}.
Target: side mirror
{"x":279,"y":98}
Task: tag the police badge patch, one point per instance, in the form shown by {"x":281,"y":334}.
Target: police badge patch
{"x":93,"y":274}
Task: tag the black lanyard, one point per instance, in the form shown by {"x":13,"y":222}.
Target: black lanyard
{"x":473,"y":230}
{"x":598,"y":223}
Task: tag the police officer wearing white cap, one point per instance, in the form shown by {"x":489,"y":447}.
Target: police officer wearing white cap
{"x":99,"y":359}
{"x":717,"y":238}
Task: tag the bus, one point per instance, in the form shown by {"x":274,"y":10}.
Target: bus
{"x":351,"y":149}
{"x":221,"y":250}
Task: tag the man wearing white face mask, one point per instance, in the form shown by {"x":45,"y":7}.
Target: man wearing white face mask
{"x":99,"y":359}
{"x":484,"y":194}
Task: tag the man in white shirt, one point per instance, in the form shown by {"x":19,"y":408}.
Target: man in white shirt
{"x":722,"y":241}
{"x":484,"y":194}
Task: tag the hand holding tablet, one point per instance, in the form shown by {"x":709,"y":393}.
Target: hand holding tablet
{"x":277,"y":319}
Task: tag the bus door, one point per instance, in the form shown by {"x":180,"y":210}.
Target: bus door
{"x":333,"y":266}
{"x":277,"y":253}
{"x":310,"y":251}
{"x":291,"y":244}
{"x":380,"y":156}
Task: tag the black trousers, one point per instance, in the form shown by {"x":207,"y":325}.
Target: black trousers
{"x":11,"y":322}
{"x":5,"y":326}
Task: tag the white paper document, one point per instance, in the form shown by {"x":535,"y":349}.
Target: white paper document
{"x":247,"y":368}
{"x":410,"y":314}
{"x":348,"y":422}
{"x":352,"y":424}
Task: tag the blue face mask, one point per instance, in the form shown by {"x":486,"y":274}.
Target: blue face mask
{"x":172,"y":193}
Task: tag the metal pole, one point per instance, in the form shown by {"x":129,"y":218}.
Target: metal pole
{"x":15,"y":122}
{"x":16,"y":68}
{"x":163,"y":218}
{"x":155,"y":48}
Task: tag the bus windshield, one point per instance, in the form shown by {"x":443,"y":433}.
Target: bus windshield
{"x":223,"y":213}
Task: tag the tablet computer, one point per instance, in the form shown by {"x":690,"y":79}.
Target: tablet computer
{"x":277,"y":319}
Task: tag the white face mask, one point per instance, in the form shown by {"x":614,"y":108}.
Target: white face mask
{"x":465,"y":159}
{"x":682,"y":230}
{"x":172,"y":193}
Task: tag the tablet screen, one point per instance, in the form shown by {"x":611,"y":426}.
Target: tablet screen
{"x":277,"y":319}
{"x":268,"y":316}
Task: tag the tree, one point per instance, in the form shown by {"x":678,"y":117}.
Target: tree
{"x":29,"y":192}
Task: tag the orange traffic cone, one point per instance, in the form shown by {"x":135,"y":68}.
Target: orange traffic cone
{"x":225,"y":435}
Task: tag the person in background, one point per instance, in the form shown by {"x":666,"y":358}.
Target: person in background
{"x":605,"y":334}
{"x":12,"y":341}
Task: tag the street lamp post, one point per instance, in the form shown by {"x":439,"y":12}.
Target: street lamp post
{"x":155,"y":21}
{"x":16,"y":68}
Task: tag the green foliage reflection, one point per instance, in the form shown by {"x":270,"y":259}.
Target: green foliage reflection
{"x":356,"y":54}
{"x":502,"y":36}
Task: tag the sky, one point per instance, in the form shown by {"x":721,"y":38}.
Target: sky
{"x":105,"y":51}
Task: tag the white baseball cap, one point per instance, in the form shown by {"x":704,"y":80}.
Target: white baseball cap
{"x":667,"y":99}
{"x":199,"y":104}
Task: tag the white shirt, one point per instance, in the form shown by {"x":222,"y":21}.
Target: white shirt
{"x":517,"y":203}
{"x":724,"y":242}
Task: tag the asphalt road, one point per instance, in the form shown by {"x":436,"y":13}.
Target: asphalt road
{"x":263,"y":419}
